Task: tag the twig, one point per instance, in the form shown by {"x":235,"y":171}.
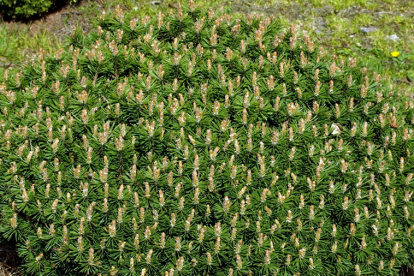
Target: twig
{"x":247,"y":3}
{"x":171,"y":5}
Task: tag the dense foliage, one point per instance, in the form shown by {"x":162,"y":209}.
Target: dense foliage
{"x":23,"y":9}
{"x":196,"y":144}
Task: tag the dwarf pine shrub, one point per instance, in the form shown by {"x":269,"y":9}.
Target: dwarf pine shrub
{"x":197,"y":144}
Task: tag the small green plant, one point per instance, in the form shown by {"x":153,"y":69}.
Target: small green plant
{"x":24,"y":9}
{"x":192,"y":143}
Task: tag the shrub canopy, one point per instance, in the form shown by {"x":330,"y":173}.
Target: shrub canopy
{"x":197,"y":144}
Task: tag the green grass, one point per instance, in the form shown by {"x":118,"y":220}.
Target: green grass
{"x":335,"y":25}
{"x":18,"y":43}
